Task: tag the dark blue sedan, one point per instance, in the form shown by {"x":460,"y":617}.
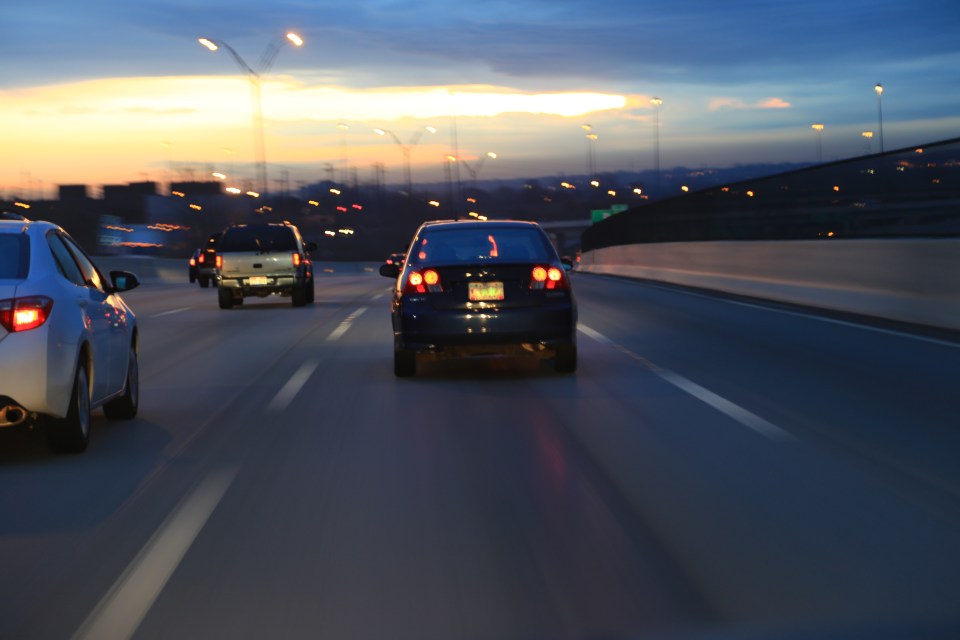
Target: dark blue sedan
{"x":481,"y":287}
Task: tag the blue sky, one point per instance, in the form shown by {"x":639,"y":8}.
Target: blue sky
{"x":741,"y":82}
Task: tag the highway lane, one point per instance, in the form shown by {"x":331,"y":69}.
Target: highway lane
{"x":712,"y":468}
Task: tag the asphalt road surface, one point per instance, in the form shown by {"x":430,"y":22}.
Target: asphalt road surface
{"x":716,"y":469}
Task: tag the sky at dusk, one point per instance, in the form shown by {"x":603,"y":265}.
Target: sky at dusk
{"x":114,"y":91}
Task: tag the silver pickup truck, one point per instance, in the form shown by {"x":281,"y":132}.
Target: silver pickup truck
{"x":264,"y":259}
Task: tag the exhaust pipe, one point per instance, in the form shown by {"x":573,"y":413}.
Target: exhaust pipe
{"x":12,"y":415}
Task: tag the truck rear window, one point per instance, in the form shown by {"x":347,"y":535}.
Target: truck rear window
{"x":258,"y":238}
{"x":14,"y":256}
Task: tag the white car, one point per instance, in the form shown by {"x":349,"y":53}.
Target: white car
{"x":68,"y":342}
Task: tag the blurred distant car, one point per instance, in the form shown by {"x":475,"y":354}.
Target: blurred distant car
{"x":193,"y":270}
{"x":476,"y":287}
{"x":204,"y":262}
{"x":264,"y":259}
{"x":68,"y":342}
{"x":396,"y":258}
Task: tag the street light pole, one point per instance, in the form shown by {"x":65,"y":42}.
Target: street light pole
{"x":591,"y":151}
{"x":879,"y":89}
{"x":474,"y":172}
{"x":819,"y":129}
{"x":405,"y":149}
{"x":255,"y":76}
{"x":656,"y":102}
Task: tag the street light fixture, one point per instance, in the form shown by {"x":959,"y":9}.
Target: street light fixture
{"x":406,"y":149}
{"x":255,"y":75}
{"x":879,"y":89}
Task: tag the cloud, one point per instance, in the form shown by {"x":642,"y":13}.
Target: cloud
{"x":723,"y":103}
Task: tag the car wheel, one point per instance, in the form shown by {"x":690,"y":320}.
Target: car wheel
{"x":299,"y":295}
{"x":404,"y":362}
{"x":225,"y":297}
{"x":193,"y":278}
{"x":310,"y":291}
{"x":125,"y":407}
{"x":204,"y":282}
{"x":566,"y":358}
{"x":72,"y":433}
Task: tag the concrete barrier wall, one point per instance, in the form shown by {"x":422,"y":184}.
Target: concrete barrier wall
{"x":913,"y":280}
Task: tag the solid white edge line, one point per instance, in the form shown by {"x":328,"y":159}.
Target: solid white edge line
{"x":342,"y":328}
{"x":290,"y":390}
{"x":721,"y":404}
{"x":125,"y":605}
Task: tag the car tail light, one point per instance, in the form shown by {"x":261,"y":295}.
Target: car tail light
{"x":193,"y":262}
{"x":428,"y":281}
{"x":218,"y":261}
{"x":545,"y":277}
{"x":23,"y":314}
{"x":296,"y":260}
{"x":201,"y":258}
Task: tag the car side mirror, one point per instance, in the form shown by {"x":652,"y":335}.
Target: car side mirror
{"x":390,"y":270}
{"x":566,"y":262}
{"x":124,"y":281}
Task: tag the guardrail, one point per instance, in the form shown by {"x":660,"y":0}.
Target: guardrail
{"x":877,"y":235}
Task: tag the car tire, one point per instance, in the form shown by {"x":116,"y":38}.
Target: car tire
{"x":225,"y":298}
{"x":566,"y":358}
{"x":193,"y":278}
{"x":71,"y":434}
{"x":299,"y":295}
{"x":125,"y":407}
{"x":404,"y":363}
{"x":310,"y":291}
{"x":204,"y":282}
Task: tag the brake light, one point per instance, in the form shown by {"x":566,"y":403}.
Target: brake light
{"x":200,"y":258}
{"x":23,"y":314}
{"x":547,"y":278}
{"x":218,"y":261}
{"x":296,"y":260}
{"x":193,"y":262}
{"x":428,"y":281}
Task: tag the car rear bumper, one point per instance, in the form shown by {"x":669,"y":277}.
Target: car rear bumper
{"x":44,"y":372}
{"x":419,"y":328}
{"x":282,"y":285}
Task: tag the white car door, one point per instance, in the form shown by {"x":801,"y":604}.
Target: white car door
{"x":88,"y":298}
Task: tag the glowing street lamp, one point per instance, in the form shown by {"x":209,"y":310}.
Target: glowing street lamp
{"x":406,"y":149}
{"x":867,"y":136}
{"x":255,"y":75}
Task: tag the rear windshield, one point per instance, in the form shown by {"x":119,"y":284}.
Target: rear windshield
{"x":478,"y":245}
{"x":14,"y":256}
{"x":258,"y":238}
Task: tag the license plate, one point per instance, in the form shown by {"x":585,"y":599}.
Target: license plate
{"x":257,"y":280}
{"x":482,"y":291}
